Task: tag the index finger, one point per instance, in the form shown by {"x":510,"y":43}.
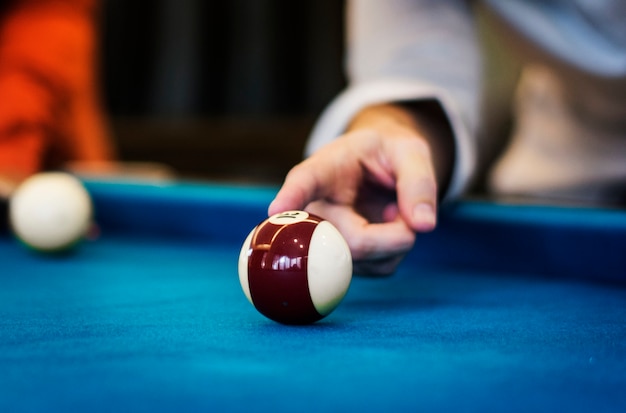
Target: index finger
{"x":302,"y":186}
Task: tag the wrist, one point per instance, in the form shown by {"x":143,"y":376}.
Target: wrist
{"x":385,"y":117}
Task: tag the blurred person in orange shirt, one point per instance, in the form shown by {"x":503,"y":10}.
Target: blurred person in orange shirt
{"x":50,"y":106}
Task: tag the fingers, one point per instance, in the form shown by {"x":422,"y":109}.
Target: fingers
{"x":299,"y":189}
{"x":374,"y":243}
{"x":330,"y":173}
{"x":415,"y":183}
{"x":333,"y":184}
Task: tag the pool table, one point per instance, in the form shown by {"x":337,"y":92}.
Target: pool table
{"x":502,"y":308}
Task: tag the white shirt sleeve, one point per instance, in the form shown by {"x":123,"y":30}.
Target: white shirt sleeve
{"x":589,"y":35}
{"x":407,"y":50}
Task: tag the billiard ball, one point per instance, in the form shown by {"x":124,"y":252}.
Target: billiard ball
{"x":295,"y":267}
{"x":50,"y":211}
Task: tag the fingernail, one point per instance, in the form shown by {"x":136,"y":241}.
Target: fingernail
{"x":424,"y":217}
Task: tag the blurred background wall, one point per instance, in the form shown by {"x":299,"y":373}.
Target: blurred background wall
{"x":229,"y":90}
{"x":219,"y":89}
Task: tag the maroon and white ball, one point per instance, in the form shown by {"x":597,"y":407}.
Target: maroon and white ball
{"x":295,"y":267}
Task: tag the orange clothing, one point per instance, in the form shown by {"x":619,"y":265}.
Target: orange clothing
{"x":50,"y":109}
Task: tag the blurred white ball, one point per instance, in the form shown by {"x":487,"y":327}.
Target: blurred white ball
{"x":50,"y":211}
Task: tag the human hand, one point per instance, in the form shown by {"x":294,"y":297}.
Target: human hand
{"x":376,"y":184}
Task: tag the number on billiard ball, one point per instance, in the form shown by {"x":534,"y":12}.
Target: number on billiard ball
{"x":295,"y":267}
{"x":50,"y":211}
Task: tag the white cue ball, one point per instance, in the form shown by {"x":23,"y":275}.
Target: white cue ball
{"x":50,"y":211}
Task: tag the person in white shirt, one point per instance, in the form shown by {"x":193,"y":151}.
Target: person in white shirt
{"x":404,"y":136}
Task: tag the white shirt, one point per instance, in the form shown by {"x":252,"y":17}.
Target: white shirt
{"x":400,"y":50}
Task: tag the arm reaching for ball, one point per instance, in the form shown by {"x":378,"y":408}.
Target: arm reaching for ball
{"x":378,"y":183}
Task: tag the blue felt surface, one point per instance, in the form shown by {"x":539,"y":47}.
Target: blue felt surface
{"x":154,"y":320}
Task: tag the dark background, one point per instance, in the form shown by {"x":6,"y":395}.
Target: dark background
{"x":216,"y":89}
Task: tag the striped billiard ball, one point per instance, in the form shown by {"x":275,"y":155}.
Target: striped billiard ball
{"x":295,"y":267}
